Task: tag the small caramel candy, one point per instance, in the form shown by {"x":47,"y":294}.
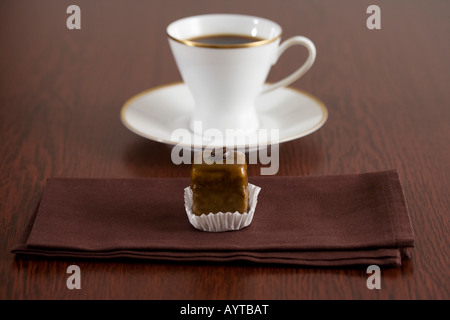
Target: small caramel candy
{"x":220,"y":183}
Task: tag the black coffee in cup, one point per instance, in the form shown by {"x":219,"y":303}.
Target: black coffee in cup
{"x":225,"y":39}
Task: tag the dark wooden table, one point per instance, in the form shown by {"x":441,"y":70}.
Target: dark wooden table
{"x":61,"y":92}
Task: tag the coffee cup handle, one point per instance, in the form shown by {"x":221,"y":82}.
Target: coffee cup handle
{"x":297,"y":40}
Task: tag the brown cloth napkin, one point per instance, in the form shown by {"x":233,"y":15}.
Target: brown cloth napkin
{"x":340,"y":220}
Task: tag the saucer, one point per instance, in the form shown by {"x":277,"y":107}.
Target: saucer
{"x":161,"y":113}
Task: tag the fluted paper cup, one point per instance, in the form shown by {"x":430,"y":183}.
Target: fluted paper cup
{"x":222,"y":221}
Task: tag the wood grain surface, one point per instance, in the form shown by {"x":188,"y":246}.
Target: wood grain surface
{"x":61,"y":92}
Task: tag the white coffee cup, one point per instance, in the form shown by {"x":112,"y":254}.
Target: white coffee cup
{"x":226,"y":79}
